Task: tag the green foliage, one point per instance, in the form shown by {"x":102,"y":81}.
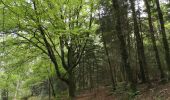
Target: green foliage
{"x":34,"y":33}
{"x":24,"y":56}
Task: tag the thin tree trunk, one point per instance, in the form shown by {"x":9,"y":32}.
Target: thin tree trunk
{"x":108,"y":58}
{"x":124,"y":51}
{"x":97,"y":71}
{"x":164,"y":37}
{"x":84,"y":81}
{"x":140,"y":47}
{"x":110,"y":66}
{"x":90,"y":75}
{"x":49,"y":89}
{"x":147,"y":4}
{"x":16,"y":92}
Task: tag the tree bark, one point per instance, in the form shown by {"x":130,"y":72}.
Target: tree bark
{"x":164,"y":37}
{"x":71,"y":85}
{"x":124,"y":51}
{"x":148,"y":9}
{"x":140,"y":47}
{"x":49,"y":90}
{"x":52,"y":87}
{"x":16,"y":92}
{"x":108,"y":59}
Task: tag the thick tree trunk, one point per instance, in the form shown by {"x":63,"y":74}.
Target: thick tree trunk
{"x":164,"y":37}
{"x":153,"y":39}
{"x":71,"y":86}
{"x":140,"y":47}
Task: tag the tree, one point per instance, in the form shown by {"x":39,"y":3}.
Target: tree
{"x":163,"y":32}
{"x":152,"y":34}
{"x":124,"y":53}
{"x":59,"y":35}
{"x":51,"y":48}
{"x":140,"y":47}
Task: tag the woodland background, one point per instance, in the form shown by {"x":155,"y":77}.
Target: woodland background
{"x":64,"y":49}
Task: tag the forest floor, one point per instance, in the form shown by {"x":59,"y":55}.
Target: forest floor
{"x":156,"y":92}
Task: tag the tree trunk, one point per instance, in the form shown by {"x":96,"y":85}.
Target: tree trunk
{"x":83,"y":73}
{"x":108,"y":59}
{"x":52,"y":87}
{"x":16,"y":92}
{"x":4,"y":94}
{"x":147,"y":4}
{"x":49,"y":89}
{"x":124,"y":51}
{"x":140,"y":47}
{"x":71,"y":85}
{"x":164,"y":37}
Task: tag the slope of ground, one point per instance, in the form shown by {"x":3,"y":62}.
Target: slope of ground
{"x":157,"y":92}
